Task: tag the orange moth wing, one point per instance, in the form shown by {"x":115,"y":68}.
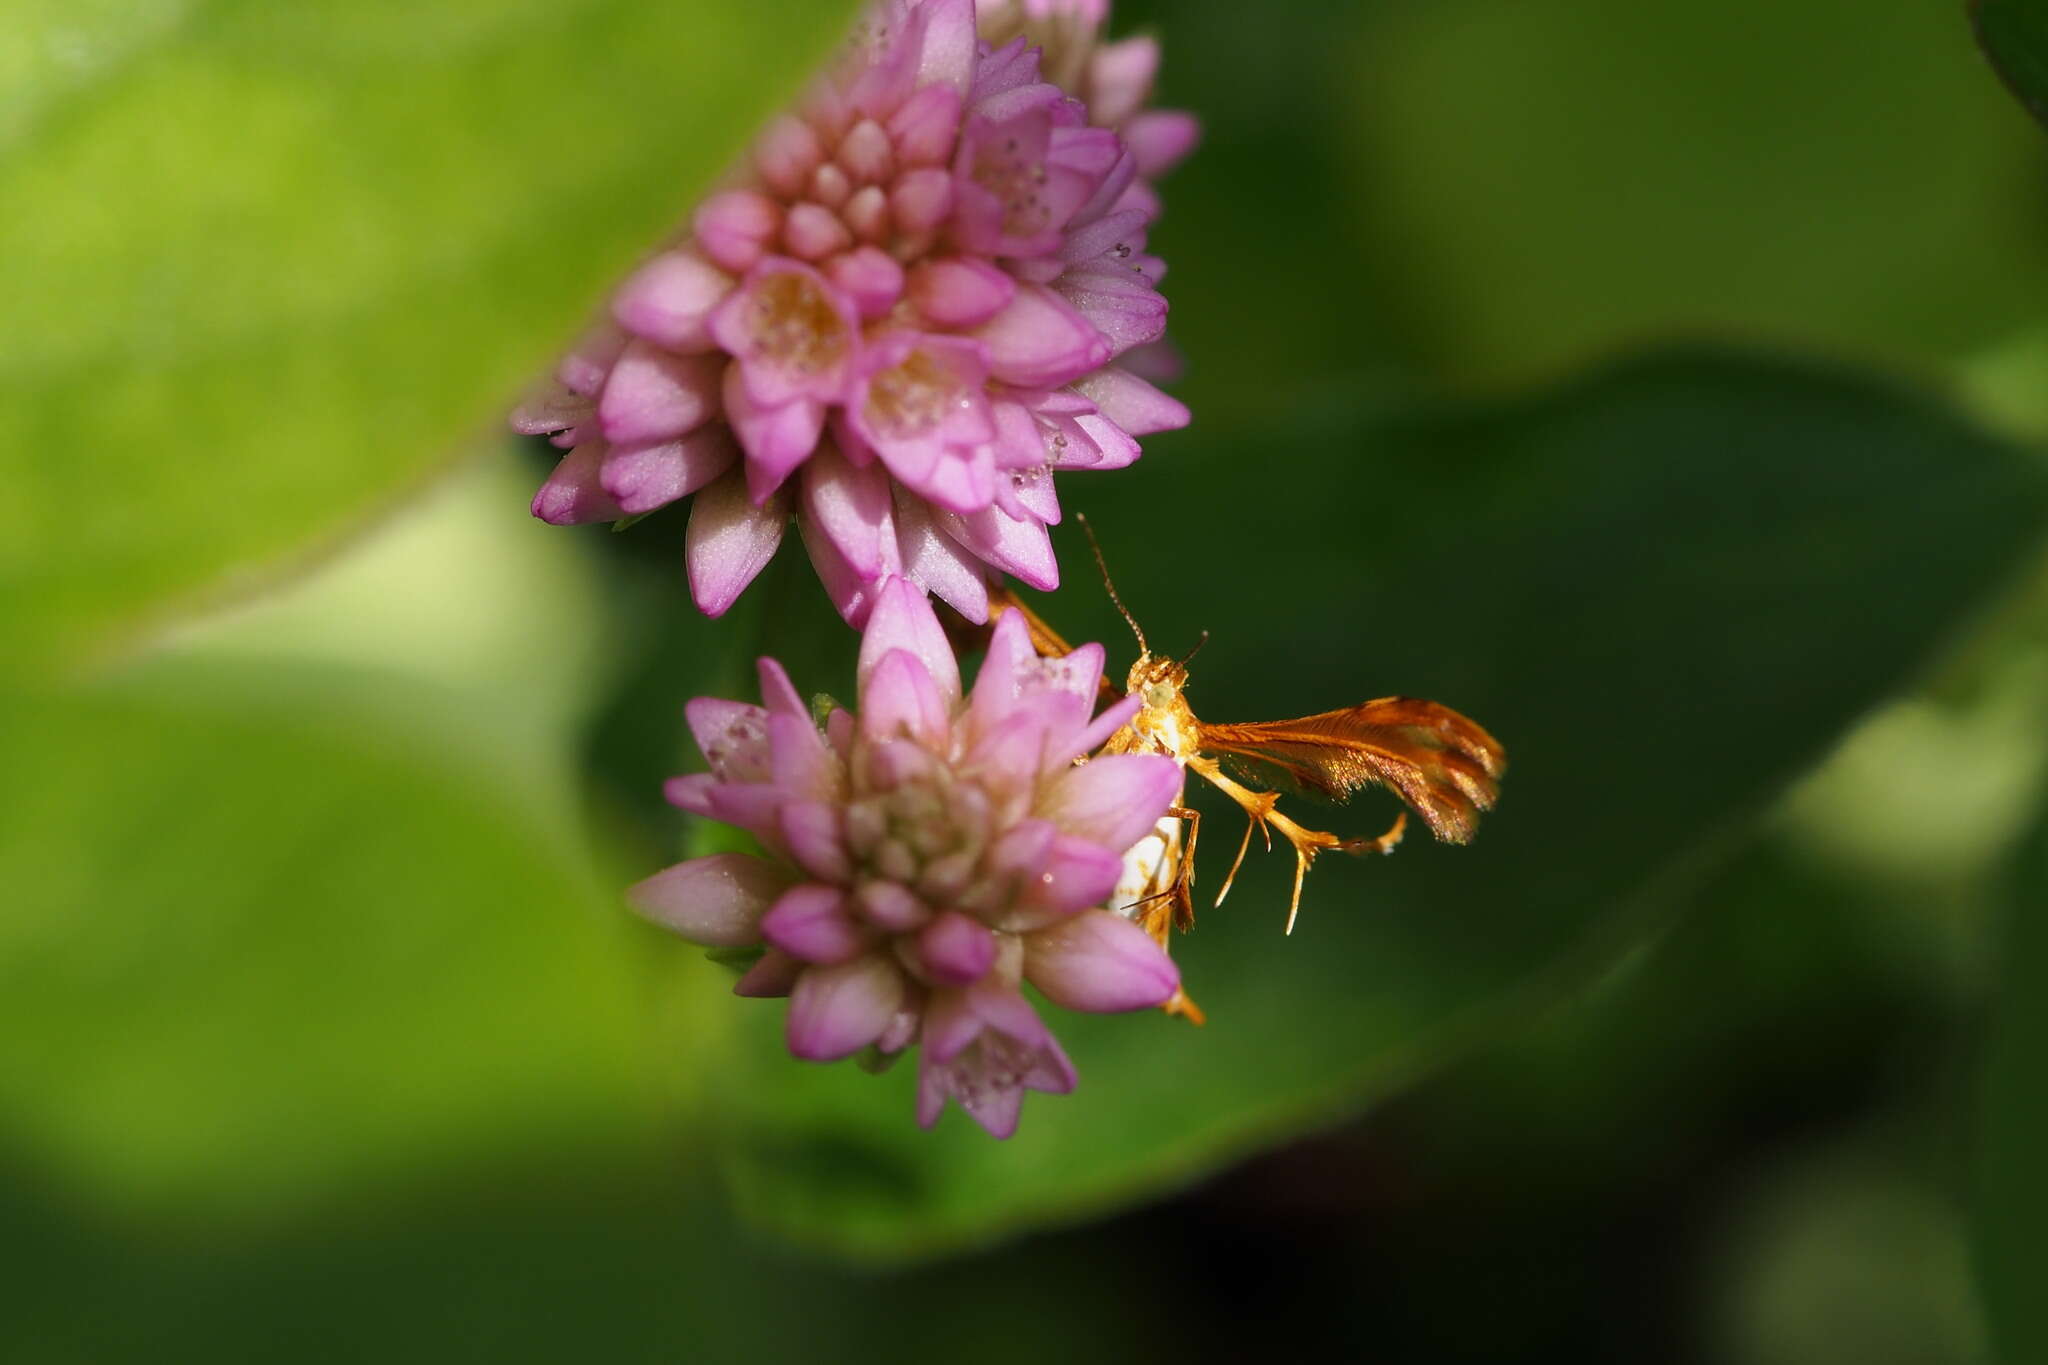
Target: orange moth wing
{"x":1444,"y":765}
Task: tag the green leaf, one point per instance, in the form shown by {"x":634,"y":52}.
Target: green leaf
{"x":259,"y":947}
{"x":2014,"y":34}
{"x":267,"y":264}
{"x":2012,"y":1187}
{"x":1666,"y":588}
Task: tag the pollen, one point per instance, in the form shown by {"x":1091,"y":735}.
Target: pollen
{"x":914,"y":396}
{"x":794,"y":322}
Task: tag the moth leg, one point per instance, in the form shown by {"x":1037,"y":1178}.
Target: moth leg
{"x":1184,"y":877}
{"x":1259,"y":806}
{"x":1181,"y":893}
{"x":1186,"y":1008}
{"x":1309,"y":842}
{"x":1173,"y":906}
{"x":1385,"y":843}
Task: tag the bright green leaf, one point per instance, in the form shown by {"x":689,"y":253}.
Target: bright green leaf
{"x":267,"y":264}
{"x":1667,"y":589}
{"x":1537,"y":181}
{"x":257,"y":948}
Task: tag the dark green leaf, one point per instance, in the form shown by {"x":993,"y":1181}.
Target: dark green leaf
{"x":1667,"y":589}
{"x":2014,"y":34}
{"x":2012,"y":1193}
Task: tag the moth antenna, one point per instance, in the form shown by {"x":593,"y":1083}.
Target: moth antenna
{"x":1189,"y":657}
{"x":1102,"y":566}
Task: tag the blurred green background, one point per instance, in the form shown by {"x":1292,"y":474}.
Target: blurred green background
{"x":1665,"y":385}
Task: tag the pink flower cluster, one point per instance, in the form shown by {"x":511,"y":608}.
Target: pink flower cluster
{"x":927,"y":856}
{"x":923,"y":293}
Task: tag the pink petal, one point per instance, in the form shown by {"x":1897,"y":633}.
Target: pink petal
{"x":729,"y":541}
{"x":924,"y":128}
{"x":1159,"y":363}
{"x":956,"y":950}
{"x":1114,"y":447}
{"x":812,"y":232}
{"x":1159,"y":138}
{"x":1079,"y":873}
{"x":995,"y":686}
{"x":936,"y":561}
{"x":898,"y":697}
{"x":810,"y":922}
{"x":921,"y":199}
{"x":804,"y":766}
{"x":732,"y":736}
{"x":792,"y":331}
{"x":839,"y":731}
{"x":954,"y":479}
{"x":785,"y":154}
{"x":1114,"y":800}
{"x":1004,"y":1009}
{"x":871,"y":278}
{"x":653,"y":394}
{"x":1112,"y":719}
{"x":1120,"y":78}
{"x":750,"y":806}
{"x":1118,"y":191}
{"x":691,"y":792}
{"x":668,"y":299}
{"x":903,"y":620}
{"x":867,"y":213}
{"x":997,"y":1109}
{"x":1019,"y":547}
{"x":1119,"y":304}
{"x":837,"y":1010}
{"x":850,"y":506}
{"x":654,"y":474}
{"x":1022,"y":851}
{"x":959,"y":291}
{"x":1039,"y":340}
{"x":947,"y":51}
{"x":888,"y":905}
{"x":1027,"y":495}
{"x":1099,"y":962}
{"x":892,"y":763}
{"x":717,"y":900}
{"x":1122,"y":233}
{"x":1013,"y":64}
{"x":734,"y":227}
{"x":986,"y":1069}
{"x":903,"y":1028}
{"x":583,"y":369}
{"x":776,"y":440}
{"x":779,"y":694}
{"x":852,"y":595}
{"x":550,"y":407}
{"x":919,"y":401}
{"x":773,"y":976}
{"x":950,"y":1026}
{"x":812,"y":831}
{"x":1014,"y":745}
{"x":1132,"y":403}
{"x":574,"y":493}
{"x":866,"y":153}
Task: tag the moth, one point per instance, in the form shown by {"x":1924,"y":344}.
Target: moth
{"x":1443,"y":765}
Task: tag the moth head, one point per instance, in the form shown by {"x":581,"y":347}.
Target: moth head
{"x":1156,"y":681}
